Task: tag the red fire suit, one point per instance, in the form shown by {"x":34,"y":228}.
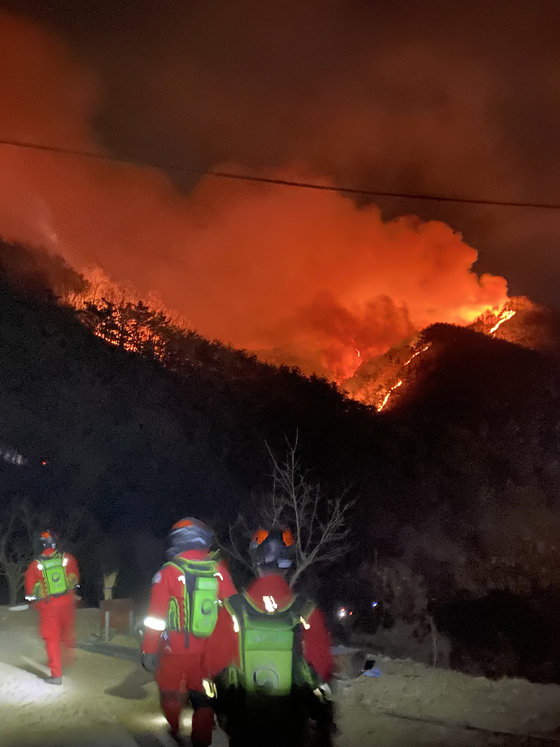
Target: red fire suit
{"x":282,"y":729}
{"x":181,"y":669}
{"x":57,"y":614}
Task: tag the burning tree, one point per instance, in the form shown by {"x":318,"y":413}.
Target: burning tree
{"x":132,"y":326}
{"x":319,"y":524}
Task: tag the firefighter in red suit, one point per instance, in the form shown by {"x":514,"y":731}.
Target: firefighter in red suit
{"x":251,"y":717}
{"x":178,"y":630}
{"x":50,"y":583}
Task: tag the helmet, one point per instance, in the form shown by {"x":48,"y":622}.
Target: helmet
{"x":48,"y":539}
{"x":272,"y":548}
{"x":189,"y":534}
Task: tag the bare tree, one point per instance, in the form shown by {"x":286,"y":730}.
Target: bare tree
{"x":17,"y":531}
{"x":239,"y":535}
{"x":20,"y":525}
{"x":319,"y":523}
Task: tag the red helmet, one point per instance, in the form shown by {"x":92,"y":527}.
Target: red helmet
{"x":273,"y":548}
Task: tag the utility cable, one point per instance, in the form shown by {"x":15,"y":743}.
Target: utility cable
{"x":357,"y":191}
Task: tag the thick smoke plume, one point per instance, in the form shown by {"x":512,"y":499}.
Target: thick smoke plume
{"x":296,"y":275}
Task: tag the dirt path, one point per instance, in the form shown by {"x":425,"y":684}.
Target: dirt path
{"x":112,"y":702}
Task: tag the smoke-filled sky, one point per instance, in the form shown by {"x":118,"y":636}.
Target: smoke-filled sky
{"x":450,"y":98}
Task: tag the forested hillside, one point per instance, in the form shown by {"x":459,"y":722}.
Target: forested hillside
{"x":137,"y":440}
{"x":458,"y":482}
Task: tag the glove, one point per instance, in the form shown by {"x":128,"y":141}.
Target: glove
{"x":150,"y":662}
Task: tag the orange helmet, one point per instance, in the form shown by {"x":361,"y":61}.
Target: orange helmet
{"x":272,"y":548}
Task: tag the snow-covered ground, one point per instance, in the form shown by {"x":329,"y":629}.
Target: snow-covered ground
{"x":411,"y":704}
{"x":111,"y":702}
{"x":103,"y":700}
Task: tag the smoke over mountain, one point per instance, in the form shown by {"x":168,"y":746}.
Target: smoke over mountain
{"x":291,"y":273}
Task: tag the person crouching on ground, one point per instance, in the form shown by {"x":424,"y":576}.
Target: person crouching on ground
{"x":180,"y":625}
{"x":50,"y":584}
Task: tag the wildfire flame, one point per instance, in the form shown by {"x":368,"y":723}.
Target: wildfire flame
{"x":386,"y":397}
{"x":400,"y":381}
{"x":322,"y":280}
{"x":418,"y":352}
{"x":503,"y":317}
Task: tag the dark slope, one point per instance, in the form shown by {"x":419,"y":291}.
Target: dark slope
{"x":139,"y":443}
{"x":467,"y":376}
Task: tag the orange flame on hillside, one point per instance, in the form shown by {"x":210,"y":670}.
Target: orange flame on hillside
{"x":400,"y":381}
{"x":500,"y":317}
{"x":417,"y":353}
{"x":386,"y":398}
{"x":503,"y":317}
{"x":300,"y":277}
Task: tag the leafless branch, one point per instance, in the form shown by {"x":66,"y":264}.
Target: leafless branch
{"x":320,"y":526}
{"x":16,"y":544}
{"x":20,"y":524}
{"x":238,"y":532}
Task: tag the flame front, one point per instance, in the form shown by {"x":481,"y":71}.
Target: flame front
{"x":381,"y":406}
{"x":504,"y":316}
{"x":417,"y":353}
{"x":386,"y":397}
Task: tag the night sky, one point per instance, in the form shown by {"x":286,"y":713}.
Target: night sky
{"x":459,"y":99}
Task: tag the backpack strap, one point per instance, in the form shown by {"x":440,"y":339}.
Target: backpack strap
{"x":234,"y":604}
{"x":189,"y":586}
{"x":304,"y":608}
{"x":303,"y":673}
{"x":240,"y":609}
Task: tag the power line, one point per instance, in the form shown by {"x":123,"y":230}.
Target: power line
{"x":282,"y":182}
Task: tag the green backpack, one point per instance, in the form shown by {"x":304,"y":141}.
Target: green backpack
{"x":270,"y":652}
{"x":54,"y":575}
{"x":200,"y":601}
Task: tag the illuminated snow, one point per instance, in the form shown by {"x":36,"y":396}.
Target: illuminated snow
{"x":19,"y":687}
{"x":103,"y":701}
{"x":109,"y":702}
